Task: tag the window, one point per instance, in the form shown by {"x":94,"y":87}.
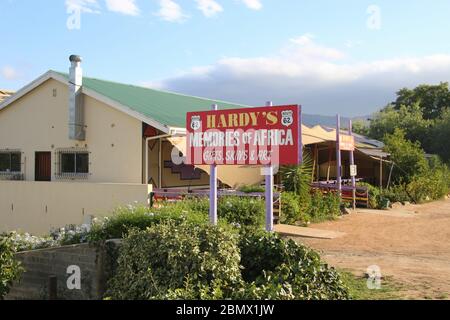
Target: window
{"x":10,"y":162}
{"x":73,"y":164}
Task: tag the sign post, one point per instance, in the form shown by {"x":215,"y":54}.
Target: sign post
{"x":213,"y":187}
{"x":269,"y":190}
{"x":338,"y":155}
{"x":352,"y":165}
{"x":265,"y":136}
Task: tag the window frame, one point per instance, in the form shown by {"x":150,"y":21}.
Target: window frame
{"x":12,"y":175}
{"x":71,"y":175}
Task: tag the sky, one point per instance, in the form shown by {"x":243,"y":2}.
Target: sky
{"x":347,"y":57}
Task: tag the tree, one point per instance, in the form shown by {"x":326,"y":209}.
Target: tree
{"x":408,"y":157}
{"x":440,"y":136}
{"x":432,"y":99}
{"x":361,"y":127}
{"x":409,"y":119}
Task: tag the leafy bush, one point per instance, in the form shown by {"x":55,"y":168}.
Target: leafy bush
{"x":126,"y":218}
{"x":188,"y":261}
{"x":252,"y":188}
{"x":275,"y":268}
{"x":290,"y":208}
{"x":396,"y":193}
{"x":297,"y":179}
{"x":177,"y":261}
{"x":10,"y":269}
{"x":428,"y":187}
{"x":246,"y":211}
{"x":409,"y":158}
{"x":324,"y":207}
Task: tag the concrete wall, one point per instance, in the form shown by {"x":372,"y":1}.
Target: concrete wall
{"x":40,"y":264}
{"x":37,"y":207}
{"x":39,"y":122}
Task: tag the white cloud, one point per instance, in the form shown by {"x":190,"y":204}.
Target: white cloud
{"x":86,"y":6}
{"x":171,"y":11}
{"x":253,"y":4}
{"x":321,"y":78}
{"x":209,"y":7}
{"x":127,"y":7}
{"x":9,"y":73}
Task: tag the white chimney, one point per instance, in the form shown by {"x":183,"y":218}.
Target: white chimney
{"x":76,"y":108}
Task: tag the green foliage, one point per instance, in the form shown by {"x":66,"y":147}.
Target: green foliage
{"x":423,"y":113}
{"x":252,"y":189}
{"x":10,"y":269}
{"x":188,"y":261}
{"x":291,"y":209}
{"x":430,"y":186}
{"x":397,"y":193}
{"x":409,"y":119}
{"x":297,"y":179}
{"x":324,"y":207}
{"x":126,"y":218}
{"x":361,"y":127}
{"x":440,"y":134}
{"x":408,"y":157}
{"x":433,"y":99}
{"x":177,"y":261}
{"x":245,"y":211}
{"x":276,"y":268}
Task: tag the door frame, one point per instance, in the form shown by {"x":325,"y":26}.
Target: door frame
{"x":36,"y":166}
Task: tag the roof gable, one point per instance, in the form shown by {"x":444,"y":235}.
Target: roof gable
{"x":166,"y":108}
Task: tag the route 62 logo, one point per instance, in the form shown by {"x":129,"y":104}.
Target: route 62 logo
{"x":196,"y":123}
{"x":287,"y":118}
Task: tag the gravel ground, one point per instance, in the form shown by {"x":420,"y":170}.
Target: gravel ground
{"x":410,"y":244}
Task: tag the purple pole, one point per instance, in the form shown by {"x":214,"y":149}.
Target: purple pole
{"x":213,"y":188}
{"x":300,"y":139}
{"x":352,"y":162}
{"x":269,"y":192}
{"x":338,"y":154}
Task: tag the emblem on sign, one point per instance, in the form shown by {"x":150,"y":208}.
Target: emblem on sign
{"x":287,"y":118}
{"x":196,"y":122}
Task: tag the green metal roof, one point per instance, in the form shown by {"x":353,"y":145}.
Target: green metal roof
{"x":167,"y":108}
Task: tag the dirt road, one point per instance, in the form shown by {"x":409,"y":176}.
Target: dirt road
{"x":411,"y":245}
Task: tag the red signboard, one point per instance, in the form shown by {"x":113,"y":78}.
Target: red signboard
{"x":248,"y":136}
{"x":346,"y":142}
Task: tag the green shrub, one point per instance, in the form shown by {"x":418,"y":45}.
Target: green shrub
{"x":245,"y":211}
{"x":427,"y":187}
{"x":275,"y":268}
{"x":290,"y":208}
{"x":294,"y":209}
{"x":297,"y":179}
{"x":125,"y":218}
{"x":396,"y":193}
{"x":10,"y":269}
{"x":189,"y":261}
{"x":252,"y":188}
{"x":324,"y":207}
{"x":177,"y":261}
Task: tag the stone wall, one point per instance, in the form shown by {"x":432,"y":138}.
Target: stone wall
{"x":39,"y":265}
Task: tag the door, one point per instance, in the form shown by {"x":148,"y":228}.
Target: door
{"x":43,"y":166}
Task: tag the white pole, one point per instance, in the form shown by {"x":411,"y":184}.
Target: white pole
{"x":269,"y":191}
{"x":213,"y":188}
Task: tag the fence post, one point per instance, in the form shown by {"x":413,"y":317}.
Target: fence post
{"x":52,"y":288}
